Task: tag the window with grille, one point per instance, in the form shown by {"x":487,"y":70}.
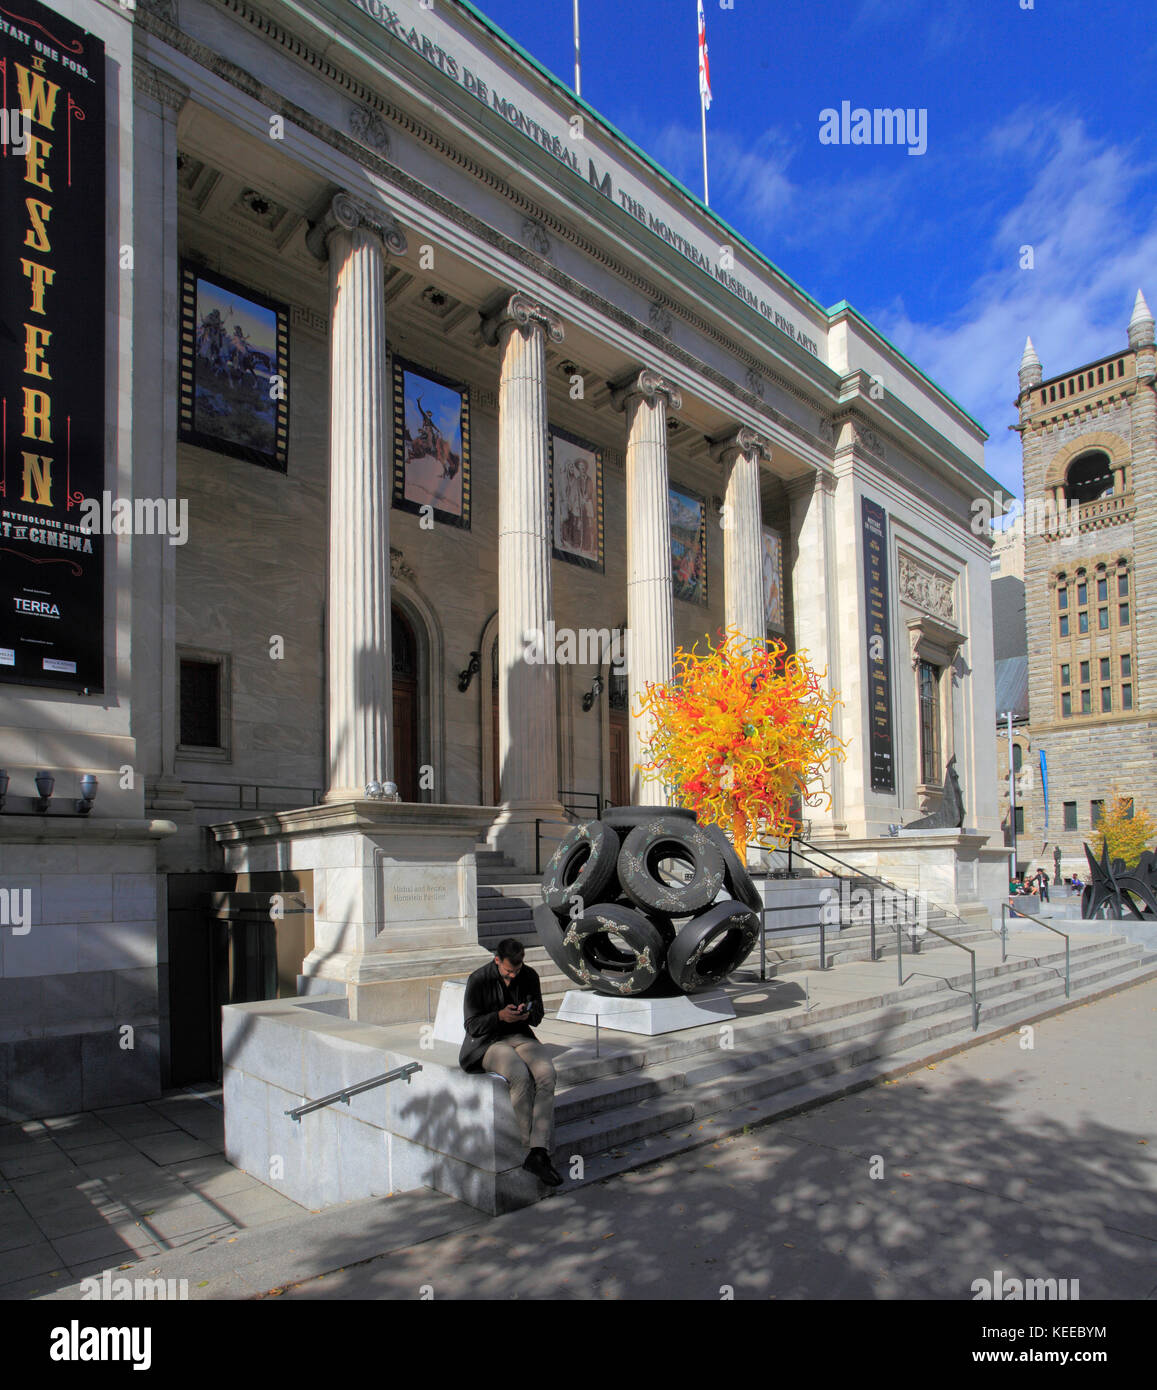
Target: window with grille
{"x":929,"y":678}
{"x":200,"y":704}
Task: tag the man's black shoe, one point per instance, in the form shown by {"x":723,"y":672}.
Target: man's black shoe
{"x":537,"y":1161}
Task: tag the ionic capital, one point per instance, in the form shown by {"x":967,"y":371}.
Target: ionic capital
{"x":521,"y":312}
{"x":648,"y":384}
{"x":346,"y":213}
{"x":741,"y":443}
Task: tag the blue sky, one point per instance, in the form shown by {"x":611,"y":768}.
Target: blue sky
{"x":1041,"y":132}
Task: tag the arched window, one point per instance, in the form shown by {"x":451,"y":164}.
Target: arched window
{"x":1089,"y":477}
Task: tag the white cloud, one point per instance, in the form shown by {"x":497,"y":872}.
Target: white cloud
{"x":1087,"y":210}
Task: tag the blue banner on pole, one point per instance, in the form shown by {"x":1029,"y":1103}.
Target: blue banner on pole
{"x":1044,"y":781}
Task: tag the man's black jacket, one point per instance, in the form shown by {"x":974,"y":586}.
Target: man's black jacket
{"x":485,"y":996}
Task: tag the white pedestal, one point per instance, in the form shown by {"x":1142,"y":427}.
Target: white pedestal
{"x":647,"y":1016}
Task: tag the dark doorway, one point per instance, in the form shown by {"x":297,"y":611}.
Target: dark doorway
{"x":405,"y":663}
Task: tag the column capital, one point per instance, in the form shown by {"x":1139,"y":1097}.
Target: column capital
{"x":520,"y":311}
{"x":648,"y":384}
{"x":347,"y":213}
{"x":741,"y":443}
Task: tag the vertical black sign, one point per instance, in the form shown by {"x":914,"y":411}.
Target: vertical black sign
{"x":53,"y":256}
{"x":880,"y":746}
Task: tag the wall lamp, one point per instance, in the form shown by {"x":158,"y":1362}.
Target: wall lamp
{"x":88,"y":789}
{"x":3,"y":787}
{"x":465,"y":677}
{"x":45,"y":782}
{"x":593,"y":694}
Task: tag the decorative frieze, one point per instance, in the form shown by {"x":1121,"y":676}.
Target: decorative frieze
{"x":534,"y":235}
{"x":366,"y":126}
{"x":926,"y":588}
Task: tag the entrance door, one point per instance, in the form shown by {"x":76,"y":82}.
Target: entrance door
{"x":620,"y":759}
{"x":405,"y":678}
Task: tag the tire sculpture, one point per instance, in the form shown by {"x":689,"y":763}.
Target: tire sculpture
{"x":616,"y":918}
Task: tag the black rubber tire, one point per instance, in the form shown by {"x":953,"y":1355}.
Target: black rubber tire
{"x":625,"y":818}
{"x":686,"y":842}
{"x":736,"y":879}
{"x":583,"y":866}
{"x":712,"y":945}
{"x":550,"y":937}
{"x":598,"y":964}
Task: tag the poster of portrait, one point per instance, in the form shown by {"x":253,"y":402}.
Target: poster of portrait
{"x":773,"y":580}
{"x":576,"y":500}
{"x":688,"y":545}
{"x":431,"y":444}
{"x":234,"y":387}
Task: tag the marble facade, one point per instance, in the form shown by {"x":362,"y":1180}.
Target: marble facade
{"x":407,"y":186}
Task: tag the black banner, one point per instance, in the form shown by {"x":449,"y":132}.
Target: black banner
{"x":880,"y":749}
{"x":53,"y":259}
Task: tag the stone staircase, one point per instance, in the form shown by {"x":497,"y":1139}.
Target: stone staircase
{"x":507,"y":897}
{"x":646,"y":1098}
{"x":639,"y":1103}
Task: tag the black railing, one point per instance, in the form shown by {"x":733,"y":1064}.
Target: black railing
{"x":854,"y":871}
{"x":232,"y":796}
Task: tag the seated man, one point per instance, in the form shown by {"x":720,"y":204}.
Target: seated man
{"x":502,"y":1000}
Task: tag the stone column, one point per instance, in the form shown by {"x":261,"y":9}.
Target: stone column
{"x":527,"y":715}
{"x":743,"y":533}
{"x":650,"y":602}
{"x":158,"y":100}
{"x":356,"y":239}
{"x":815,"y":591}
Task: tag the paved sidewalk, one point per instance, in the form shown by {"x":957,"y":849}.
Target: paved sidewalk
{"x":1039,"y":1162}
{"x":83,"y":1193}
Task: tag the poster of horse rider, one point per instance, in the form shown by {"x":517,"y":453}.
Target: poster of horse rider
{"x":431,"y":444}
{"x":688,"y":545}
{"x":234,"y":386}
{"x":576,"y":493}
{"x":773,"y":580}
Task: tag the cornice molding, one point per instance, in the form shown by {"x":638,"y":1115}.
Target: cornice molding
{"x":298,"y":49}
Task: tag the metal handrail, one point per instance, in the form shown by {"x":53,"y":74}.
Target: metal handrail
{"x":1006,"y":910}
{"x":538,"y":822}
{"x":874,"y":878}
{"x":576,"y":797}
{"x":344,"y":1095}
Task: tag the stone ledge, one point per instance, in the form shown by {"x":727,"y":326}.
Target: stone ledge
{"x":370,"y":817}
{"x":52,"y":829}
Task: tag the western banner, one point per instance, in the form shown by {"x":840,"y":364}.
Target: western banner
{"x":880,"y":744}
{"x":53,"y":256}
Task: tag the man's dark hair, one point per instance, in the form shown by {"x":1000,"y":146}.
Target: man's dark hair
{"x":510,"y":949}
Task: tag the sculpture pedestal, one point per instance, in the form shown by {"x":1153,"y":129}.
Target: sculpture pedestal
{"x":646,"y":1015}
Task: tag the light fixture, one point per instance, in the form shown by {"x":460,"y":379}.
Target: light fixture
{"x":45,"y":782}
{"x":390,"y":792}
{"x":373,"y":791}
{"x":88,"y":789}
{"x":3,"y":787}
{"x":593,"y":694}
{"x":465,"y":677}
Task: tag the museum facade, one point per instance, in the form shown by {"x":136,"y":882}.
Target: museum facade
{"x":435,"y":417}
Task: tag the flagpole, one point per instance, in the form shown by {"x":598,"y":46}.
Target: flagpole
{"x":703,"y":116}
{"x":578,"y":76}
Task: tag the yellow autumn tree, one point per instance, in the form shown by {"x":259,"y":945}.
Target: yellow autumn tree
{"x":1127,"y":835}
{"x":739,"y":731}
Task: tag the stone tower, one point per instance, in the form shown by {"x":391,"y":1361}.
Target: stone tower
{"x":1089,"y":447}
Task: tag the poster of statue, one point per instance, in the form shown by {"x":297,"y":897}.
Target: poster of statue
{"x":688,"y":545}
{"x":576,"y":492}
{"x":431,"y":444}
{"x":234,"y":387}
{"x":773,"y":580}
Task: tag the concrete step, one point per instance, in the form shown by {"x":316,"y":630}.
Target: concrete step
{"x":808,"y":1094}
{"x":614,"y":1110}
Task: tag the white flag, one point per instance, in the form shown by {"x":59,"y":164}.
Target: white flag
{"x":704,"y":70}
